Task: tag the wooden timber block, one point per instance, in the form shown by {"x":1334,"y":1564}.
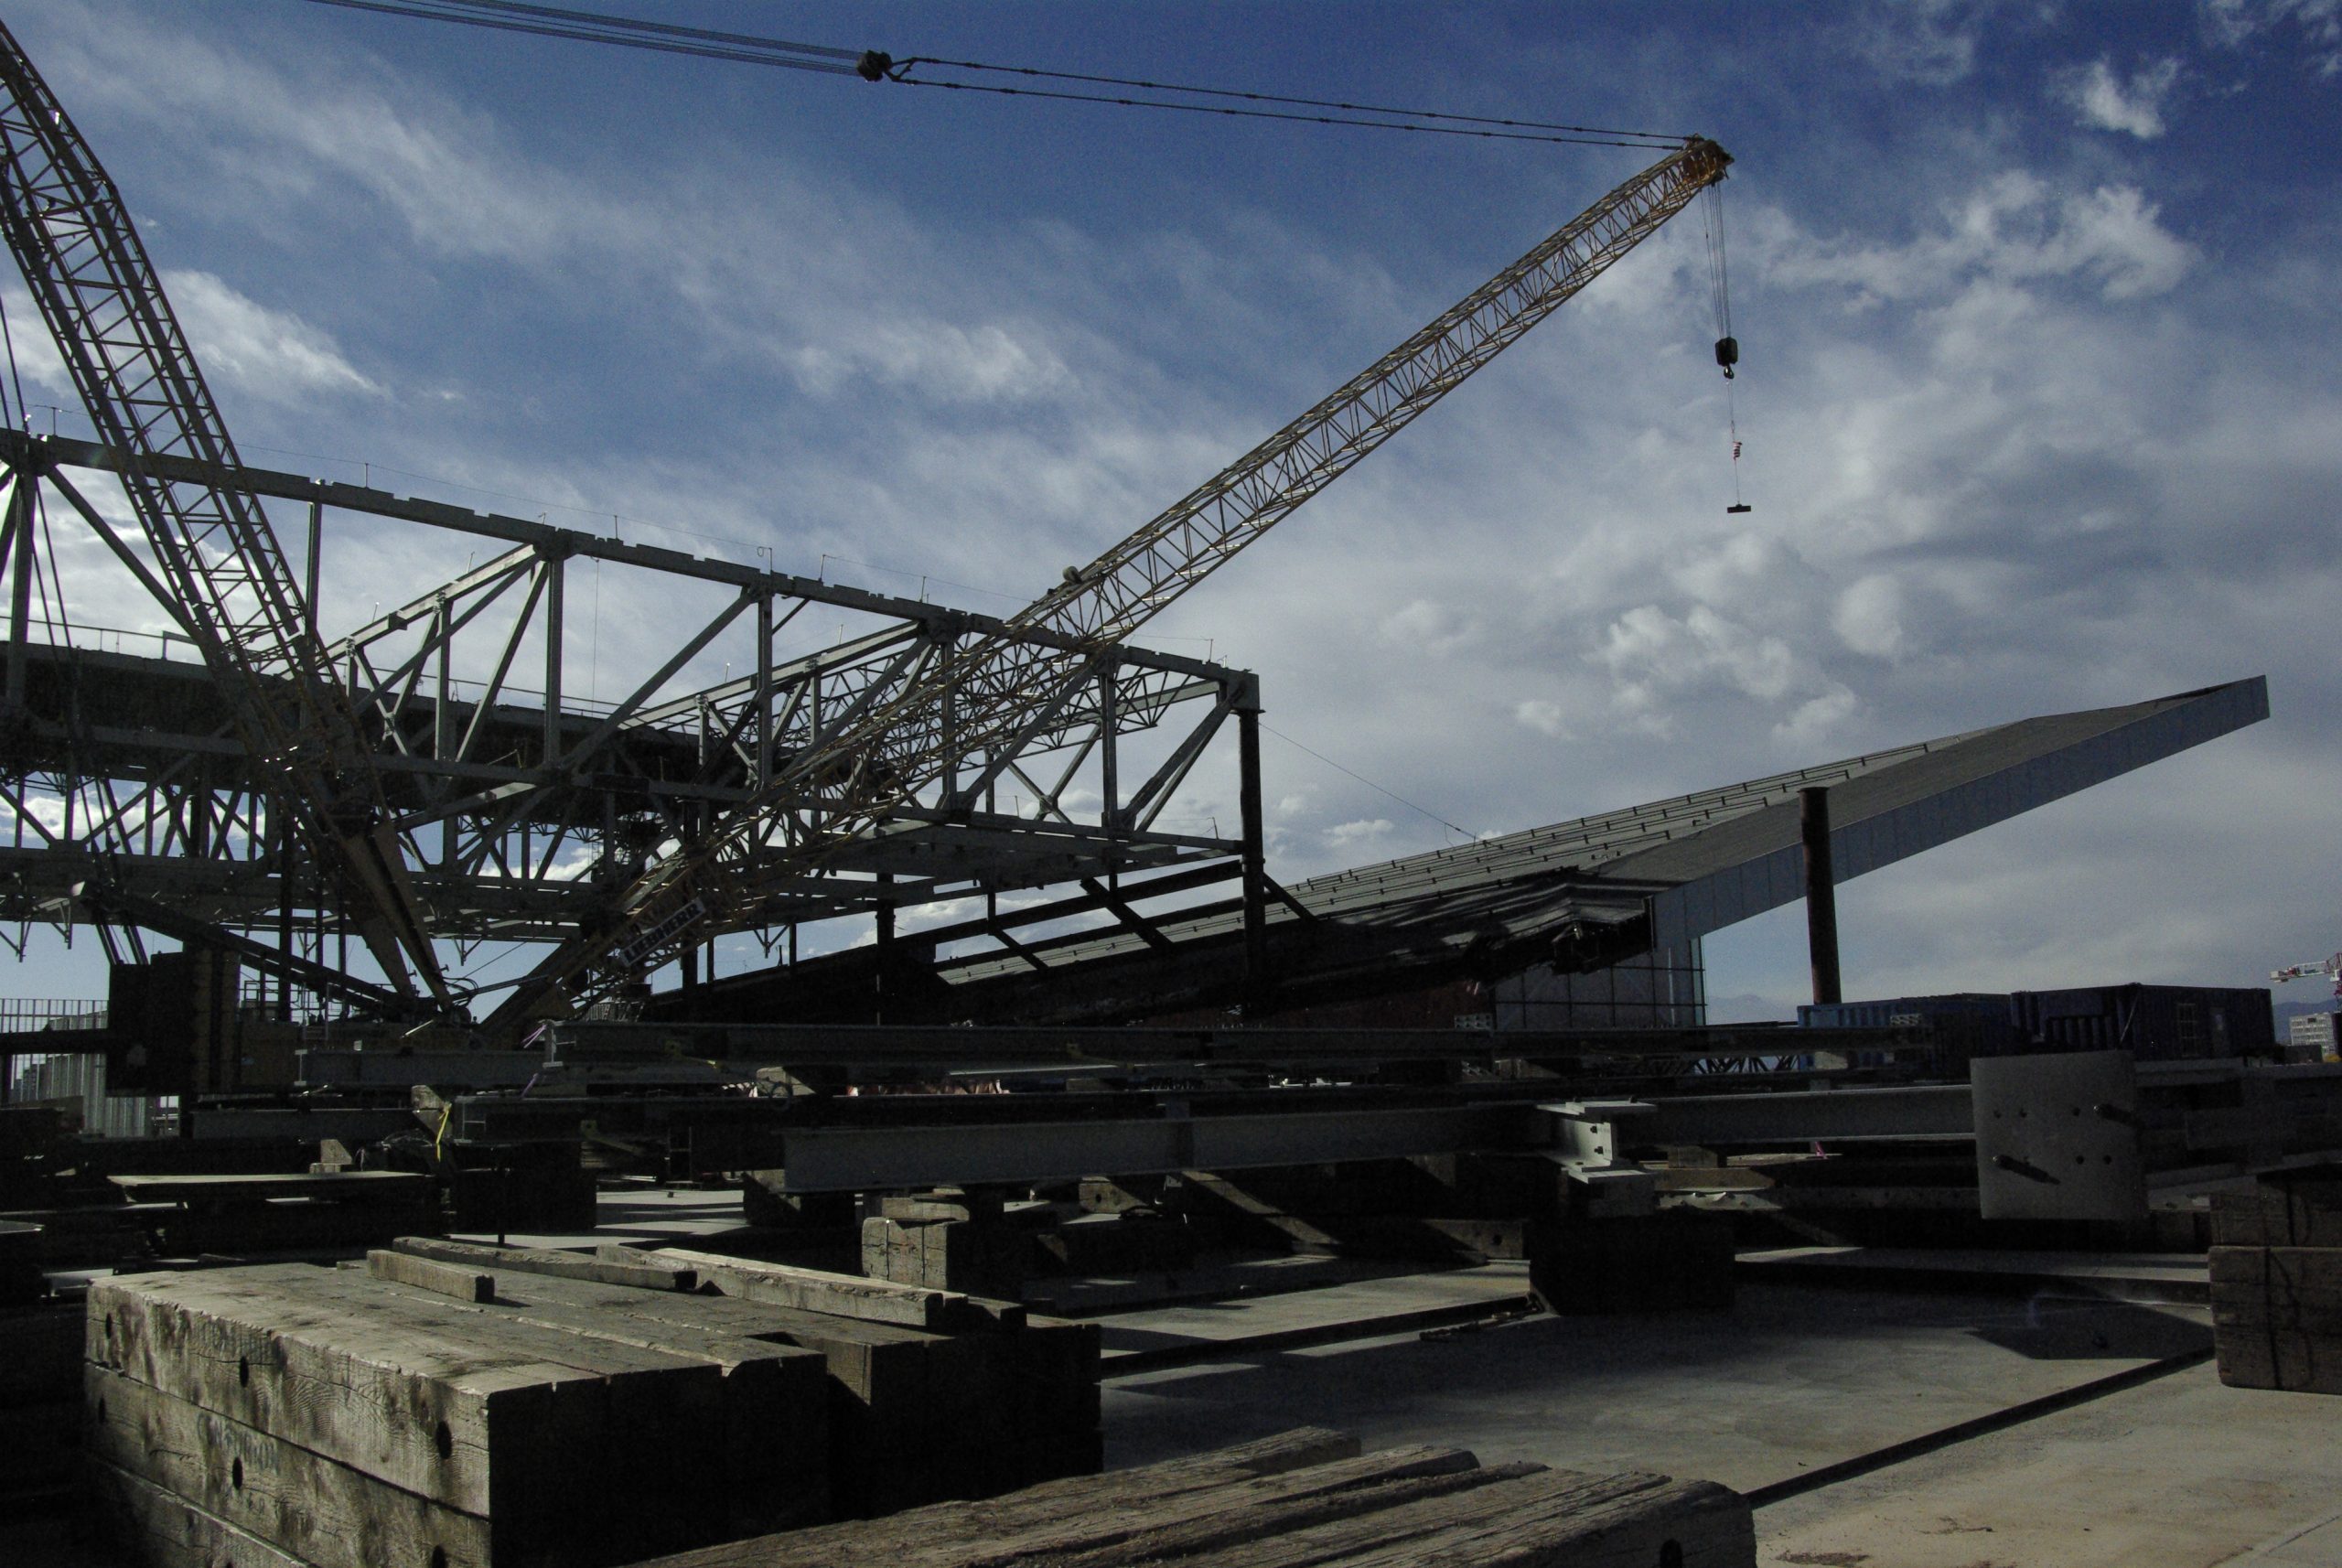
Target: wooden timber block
{"x":2262,"y":1355}
{"x":325,"y":1513}
{"x":974,"y":1256}
{"x":451,"y":1280}
{"x":911,"y":1416}
{"x":945,"y":1203}
{"x":159,"y":1529}
{"x":671,"y":1434}
{"x":1399,"y":1508}
{"x":2289,"y":1278}
{"x":909,"y":1305}
{"x":775,"y":1423}
{"x":953,"y":1527}
{"x":2284,"y":1209}
{"x":544,"y":1433}
{"x":631,"y":1270}
{"x":1055,"y":1390}
{"x":875,"y":1420}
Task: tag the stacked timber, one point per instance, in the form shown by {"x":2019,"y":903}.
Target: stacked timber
{"x":189,"y":1215}
{"x":1303,"y":1500}
{"x":292,"y":1415}
{"x":935,"y":1393}
{"x":458,"y":1406}
{"x":2276,"y":1267}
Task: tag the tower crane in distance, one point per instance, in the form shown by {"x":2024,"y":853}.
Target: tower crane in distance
{"x":2316,"y":968}
{"x":956,"y":721}
{"x":222,"y":574}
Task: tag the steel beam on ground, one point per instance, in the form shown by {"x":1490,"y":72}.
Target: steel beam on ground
{"x":860,"y":1159}
{"x":1095,"y":1046}
{"x":1835,"y":1115}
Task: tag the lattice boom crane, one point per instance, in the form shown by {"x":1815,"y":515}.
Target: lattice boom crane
{"x":987,"y":699}
{"x":222,"y":573}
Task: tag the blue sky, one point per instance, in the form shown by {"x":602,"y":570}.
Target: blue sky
{"x":2039,"y":399}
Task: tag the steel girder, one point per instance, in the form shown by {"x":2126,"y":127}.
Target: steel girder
{"x":514,"y":802}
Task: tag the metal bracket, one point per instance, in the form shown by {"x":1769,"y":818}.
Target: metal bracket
{"x":2057,"y":1136}
{"x":1586,"y":1144}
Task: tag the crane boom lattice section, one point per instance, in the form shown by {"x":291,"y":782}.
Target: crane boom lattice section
{"x":231,"y":589}
{"x":958,"y":720}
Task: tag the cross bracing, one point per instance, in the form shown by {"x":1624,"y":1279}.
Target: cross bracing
{"x":515,"y":797}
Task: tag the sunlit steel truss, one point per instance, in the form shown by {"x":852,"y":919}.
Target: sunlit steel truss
{"x":516,"y":804}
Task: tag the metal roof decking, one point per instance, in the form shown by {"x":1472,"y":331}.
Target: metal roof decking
{"x":1682,"y":867}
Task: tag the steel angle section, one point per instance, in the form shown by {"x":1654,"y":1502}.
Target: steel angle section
{"x":2057,"y":1136}
{"x":853,"y":1159}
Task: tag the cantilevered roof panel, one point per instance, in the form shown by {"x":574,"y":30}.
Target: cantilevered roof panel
{"x":1654,"y":875}
{"x":1928,"y":796}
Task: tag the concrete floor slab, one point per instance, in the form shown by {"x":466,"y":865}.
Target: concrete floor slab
{"x":2179,"y":1473}
{"x":1358,"y":1309}
{"x":1791,"y":1379}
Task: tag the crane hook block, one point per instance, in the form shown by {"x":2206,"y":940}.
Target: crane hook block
{"x":1727,"y":354}
{"x":873,"y":65}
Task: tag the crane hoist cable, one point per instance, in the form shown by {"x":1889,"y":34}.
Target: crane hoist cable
{"x":1727,"y":346}
{"x":878,"y":65}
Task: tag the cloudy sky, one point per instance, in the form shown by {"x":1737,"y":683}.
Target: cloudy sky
{"x":2040,"y":401}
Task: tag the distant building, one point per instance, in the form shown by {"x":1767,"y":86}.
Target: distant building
{"x":2313,"y":1036}
{"x":2154,"y":1023}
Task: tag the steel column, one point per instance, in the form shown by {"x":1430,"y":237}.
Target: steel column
{"x":1820,"y":893}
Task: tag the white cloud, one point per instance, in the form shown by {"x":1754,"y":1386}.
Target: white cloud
{"x":268,"y":353}
{"x":2108,"y":102}
{"x":1541,"y":716}
{"x":2235,"y":24}
{"x":2013,"y":229}
{"x":1352,"y":837}
{"x":1869,"y":616}
{"x":986,"y":364}
{"x":1438,"y":629}
{"x":1927,"y":41}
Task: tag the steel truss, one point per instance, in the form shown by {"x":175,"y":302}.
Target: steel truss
{"x":517,"y":804}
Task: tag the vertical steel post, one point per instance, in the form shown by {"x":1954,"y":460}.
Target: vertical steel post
{"x":285,"y":915}
{"x":317,"y":552}
{"x":764,"y":689}
{"x":884,"y":917}
{"x":1110,"y":781}
{"x":1820,"y":893}
{"x":1256,"y":908}
{"x":556,"y":570}
{"x":20,"y":582}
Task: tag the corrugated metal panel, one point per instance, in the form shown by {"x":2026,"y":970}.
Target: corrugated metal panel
{"x":81,"y":1077}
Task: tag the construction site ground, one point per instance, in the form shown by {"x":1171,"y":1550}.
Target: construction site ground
{"x":1963,"y":1422}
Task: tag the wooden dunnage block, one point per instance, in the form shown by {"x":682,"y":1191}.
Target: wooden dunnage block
{"x":632,"y":1270}
{"x":840,"y":1295}
{"x":954,"y":1531}
{"x":2277,"y":1317}
{"x":163,"y":1529}
{"x":545,"y":1433}
{"x":318,"y":1511}
{"x":1303,"y":1501}
{"x":2283,"y":1209}
{"x":774,"y":1426}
